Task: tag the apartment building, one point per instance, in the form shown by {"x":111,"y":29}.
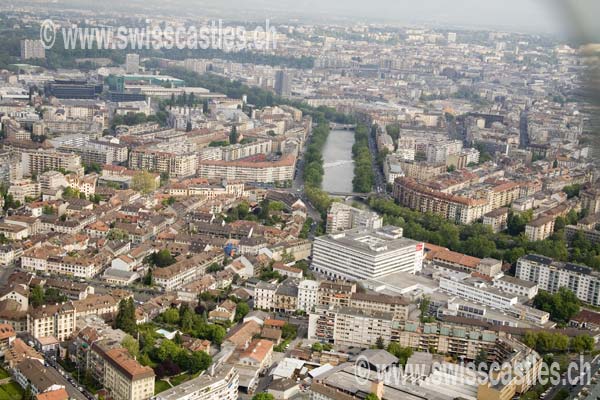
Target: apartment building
{"x":395,"y":305}
{"x":497,"y":219}
{"x":366,"y":254}
{"x":520,"y":287}
{"x":349,"y":326}
{"x":341,"y":217}
{"x":57,"y":320}
{"x":478,"y":291}
{"x":420,"y":171}
{"x":99,"y":152}
{"x":258,"y":169}
{"x":185,"y":271}
{"x":540,"y":228}
{"x":178,"y":164}
{"x":80,"y":267}
{"x":459,"y":209}
{"x":24,"y":188}
{"x":550,"y":275}
{"x":220,"y":385}
{"x":335,"y":293}
{"x":32,"y":49}
{"x":125,"y":378}
{"x":42,"y":160}
{"x":307,"y":295}
{"x":590,"y":199}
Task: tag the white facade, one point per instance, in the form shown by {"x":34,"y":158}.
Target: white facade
{"x":551,"y":275}
{"x":307,"y":295}
{"x":478,"y":292}
{"x":220,"y":386}
{"x":366,"y":254}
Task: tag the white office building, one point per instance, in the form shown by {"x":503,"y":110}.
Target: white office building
{"x":366,"y":254}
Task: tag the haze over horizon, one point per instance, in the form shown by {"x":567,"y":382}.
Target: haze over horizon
{"x":573,"y":18}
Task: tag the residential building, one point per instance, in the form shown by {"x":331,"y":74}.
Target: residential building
{"x":550,"y":275}
{"x":256,"y":169}
{"x":341,"y":217}
{"x":520,"y":287}
{"x":456,"y":208}
{"x":32,"y":49}
{"x":307,"y":295}
{"x":540,"y":228}
{"x":125,"y":378}
{"x":220,"y":385}
{"x":56,"y":320}
{"x":497,"y":219}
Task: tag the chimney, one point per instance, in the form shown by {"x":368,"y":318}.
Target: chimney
{"x":377,"y":388}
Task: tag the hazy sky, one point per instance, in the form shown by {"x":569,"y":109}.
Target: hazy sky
{"x":543,"y":16}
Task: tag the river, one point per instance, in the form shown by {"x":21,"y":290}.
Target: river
{"x":338,"y":164}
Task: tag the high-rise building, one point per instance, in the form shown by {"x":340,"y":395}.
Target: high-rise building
{"x":451,"y":37}
{"x":31,"y":49}
{"x":283,"y":85}
{"x":132,"y":63}
{"x":366,"y":254}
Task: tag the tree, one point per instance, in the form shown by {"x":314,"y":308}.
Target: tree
{"x":263,"y":396}
{"x":117,"y":234}
{"x":28,"y":395}
{"x":482,"y":357}
{"x":289,"y":331}
{"x":402,"y":353}
{"x":233,"y":135}
{"x":36,"y":297}
{"x":424,"y":308}
{"x":132,"y":346}
{"x":562,"y":306}
{"x":171,"y":316}
{"x":318,"y":347}
{"x":144,"y":182}
{"x":241,"y":310}
{"x":371,"y":396}
{"x":582,"y":344}
{"x":379,"y":343}
{"x":167,"y":350}
{"x":199,"y":361}
{"x":162,"y":258}
{"x":125,"y":319}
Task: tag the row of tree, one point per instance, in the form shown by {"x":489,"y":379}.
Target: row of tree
{"x":363,"y":162}
{"x":476,"y":239}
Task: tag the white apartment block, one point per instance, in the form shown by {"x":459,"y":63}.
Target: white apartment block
{"x":520,"y":287}
{"x":551,"y":275}
{"x":246,"y":171}
{"x":341,"y":217}
{"x":478,"y":291}
{"x":348,"y":326}
{"x":366,"y":254}
{"x":222,"y":385}
{"x":308,"y":294}
{"x":40,"y":161}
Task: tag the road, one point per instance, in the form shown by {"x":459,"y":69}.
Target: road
{"x":574,"y":389}
{"x":62,"y":377}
